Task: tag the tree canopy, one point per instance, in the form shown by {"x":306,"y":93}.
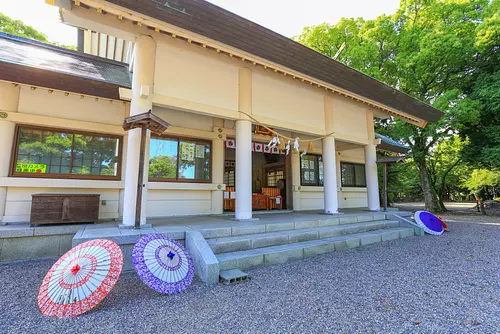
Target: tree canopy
{"x":443,"y":52}
{"x":18,"y":28}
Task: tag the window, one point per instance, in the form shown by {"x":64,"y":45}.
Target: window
{"x":353,"y":175}
{"x":40,"y":152}
{"x":311,"y":170}
{"x":273,"y":176}
{"x":174,"y":159}
{"x":229,"y":176}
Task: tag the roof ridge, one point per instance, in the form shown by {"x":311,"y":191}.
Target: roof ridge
{"x":60,"y":49}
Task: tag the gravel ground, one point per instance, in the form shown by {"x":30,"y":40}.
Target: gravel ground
{"x":446,"y":284}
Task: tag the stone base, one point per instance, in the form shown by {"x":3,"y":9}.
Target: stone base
{"x":244,"y":220}
{"x":331,"y":213}
{"x":206,"y":265}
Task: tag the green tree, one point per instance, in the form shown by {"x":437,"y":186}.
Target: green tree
{"x":446,"y":167}
{"x":428,"y":49}
{"x":480,"y":182}
{"x":18,"y":28}
{"x":163,"y":167}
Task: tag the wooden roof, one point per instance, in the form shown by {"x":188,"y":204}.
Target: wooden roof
{"x":34,"y":63}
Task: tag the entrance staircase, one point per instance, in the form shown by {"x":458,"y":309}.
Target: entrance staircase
{"x":285,"y":241}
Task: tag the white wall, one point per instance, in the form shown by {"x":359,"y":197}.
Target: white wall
{"x":163,"y":203}
{"x":188,"y":75}
{"x":349,"y":118}
{"x":56,"y":110}
{"x":312,"y":198}
{"x":351,"y":197}
{"x":286,"y":99}
{"x":40,"y":102}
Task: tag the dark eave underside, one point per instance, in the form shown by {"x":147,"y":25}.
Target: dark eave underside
{"x":56,"y":80}
{"x":208,"y":20}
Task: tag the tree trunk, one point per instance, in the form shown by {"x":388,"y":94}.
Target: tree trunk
{"x":432,"y":202}
{"x":483,"y":196}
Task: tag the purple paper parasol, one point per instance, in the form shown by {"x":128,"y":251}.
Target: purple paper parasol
{"x":163,"y":264}
{"x":429,"y":222}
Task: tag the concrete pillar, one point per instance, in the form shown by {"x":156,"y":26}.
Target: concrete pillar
{"x":142,"y":101}
{"x":243,"y":173}
{"x":371,"y":166}
{"x":329,"y":161}
{"x":243,"y":169}
{"x":330,"y":176}
{"x":218,"y":168}
{"x":6,"y":138}
{"x":372,"y":177}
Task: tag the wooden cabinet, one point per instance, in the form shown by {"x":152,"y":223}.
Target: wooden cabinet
{"x":64,"y":208}
{"x":259,"y":202}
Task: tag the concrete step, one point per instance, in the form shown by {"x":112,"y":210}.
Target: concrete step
{"x":259,"y":240}
{"x":266,"y":256}
{"x":258,"y":227}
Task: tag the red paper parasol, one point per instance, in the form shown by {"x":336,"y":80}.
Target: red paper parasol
{"x":80,"y":279}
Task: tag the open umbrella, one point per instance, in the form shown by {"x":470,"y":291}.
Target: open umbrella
{"x":163,"y":264}
{"x":80,"y":279}
{"x":429,"y":222}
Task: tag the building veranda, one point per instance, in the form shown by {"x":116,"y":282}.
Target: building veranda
{"x":225,"y":97}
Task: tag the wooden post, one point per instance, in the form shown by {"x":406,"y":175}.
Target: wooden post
{"x":140,"y":181}
{"x":385,"y":186}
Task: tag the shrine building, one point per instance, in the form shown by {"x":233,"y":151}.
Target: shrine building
{"x":258,"y":122}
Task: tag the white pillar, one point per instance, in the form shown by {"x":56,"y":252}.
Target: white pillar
{"x":6,"y":138}
{"x":243,"y":175}
{"x":371,"y":165}
{"x":330,"y":176}
{"x":329,"y":161}
{"x":142,"y":97}
{"x":372,"y":177}
{"x":243,"y":169}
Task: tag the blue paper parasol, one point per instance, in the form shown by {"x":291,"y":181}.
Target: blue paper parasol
{"x":429,"y":222}
{"x":163,"y":264}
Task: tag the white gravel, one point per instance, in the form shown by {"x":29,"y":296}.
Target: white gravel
{"x":447,"y":284}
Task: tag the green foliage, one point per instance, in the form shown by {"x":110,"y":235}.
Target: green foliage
{"x":18,"y":28}
{"x":484,"y":135}
{"x":163,"y":167}
{"x":481,"y":179}
{"x":442,"y":52}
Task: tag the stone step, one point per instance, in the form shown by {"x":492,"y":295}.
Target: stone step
{"x":258,"y":227}
{"x":252,"y":241}
{"x":266,"y":256}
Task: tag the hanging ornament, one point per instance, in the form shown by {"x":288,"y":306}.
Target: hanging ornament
{"x":275,"y":141}
{"x":296,"y":144}
{"x":303,"y":153}
{"x":310,"y":146}
{"x":287,"y":148}
{"x":282,"y":144}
